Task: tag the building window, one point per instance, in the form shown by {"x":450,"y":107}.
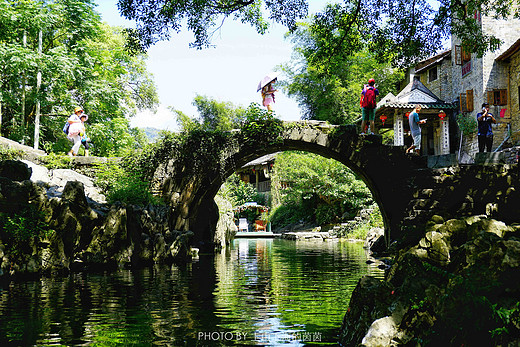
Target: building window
{"x":466,"y":101}
{"x":469,"y":100}
{"x":466,"y":62}
{"x":497,"y":97}
{"x":432,"y":74}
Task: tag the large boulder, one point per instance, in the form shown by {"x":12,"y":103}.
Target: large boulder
{"x":15,"y":170}
{"x":226,"y":227}
{"x":457,"y":286}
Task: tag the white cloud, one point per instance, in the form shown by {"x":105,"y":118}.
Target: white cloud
{"x":163,"y":119}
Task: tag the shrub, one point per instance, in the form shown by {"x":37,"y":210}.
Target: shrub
{"x":10,"y":154}
{"x":23,"y":229}
{"x":123,"y":185}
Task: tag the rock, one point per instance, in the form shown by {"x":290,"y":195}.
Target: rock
{"x":369,"y":301}
{"x":39,"y":173}
{"x":60,"y":177}
{"x":15,"y":196}
{"x":15,"y":170}
{"x":82,"y":237}
{"x":445,"y":289}
{"x":436,"y":248}
{"x":226,"y":228}
{"x":437,"y":219}
{"x":380,"y":333}
{"x":375,"y":240}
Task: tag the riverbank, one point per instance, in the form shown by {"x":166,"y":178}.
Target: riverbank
{"x":57,"y":221}
{"x":456,"y":287}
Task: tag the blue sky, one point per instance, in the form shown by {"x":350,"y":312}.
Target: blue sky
{"x":229,"y":72}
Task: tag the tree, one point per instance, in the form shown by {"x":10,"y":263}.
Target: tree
{"x":115,"y":138}
{"x":331,"y":92}
{"x":83,"y":63}
{"x":400,"y":30}
{"x":322,"y":190}
{"x":156,"y":18}
{"x":213,"y":115}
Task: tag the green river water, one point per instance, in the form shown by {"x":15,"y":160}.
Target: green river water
{"x":260,"y":292}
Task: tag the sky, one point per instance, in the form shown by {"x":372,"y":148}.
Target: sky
{"x":229,"y":72}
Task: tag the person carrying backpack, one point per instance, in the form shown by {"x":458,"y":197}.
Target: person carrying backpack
{"x":368,"y":105}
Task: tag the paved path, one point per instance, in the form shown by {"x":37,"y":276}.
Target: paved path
{"x":32,"y":154}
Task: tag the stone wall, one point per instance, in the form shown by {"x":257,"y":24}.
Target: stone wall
{"x":487,"y":74}
{"x":442,"y":86}
{"x":514,"y":91}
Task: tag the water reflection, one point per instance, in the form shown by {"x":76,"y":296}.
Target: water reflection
{"x":281,"y":291}
{"x":263,"y":292}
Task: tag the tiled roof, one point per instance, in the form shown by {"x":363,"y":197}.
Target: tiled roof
{"x":423,"y":65}
{"x":266,"y":159}
{"x":441,"y":105}
{"x":515,"y":47}
{"x":416,"y":84}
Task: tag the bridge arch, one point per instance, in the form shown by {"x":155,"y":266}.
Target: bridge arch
{"x":407,"y":192}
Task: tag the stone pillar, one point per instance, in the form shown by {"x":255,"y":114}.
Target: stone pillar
{"x":445,"y":136}
{"x":398,"y":129}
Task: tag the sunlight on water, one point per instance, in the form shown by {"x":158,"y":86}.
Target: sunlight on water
{"x":264,"y":292}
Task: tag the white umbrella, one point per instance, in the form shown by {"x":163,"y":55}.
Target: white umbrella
{"x":268,"y":78}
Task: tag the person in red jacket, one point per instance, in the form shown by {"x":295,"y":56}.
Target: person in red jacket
{"x":368,"y":105}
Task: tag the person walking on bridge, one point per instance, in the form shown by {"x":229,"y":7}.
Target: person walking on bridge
{"x":368,"y":105}
{"x":415,"y":129}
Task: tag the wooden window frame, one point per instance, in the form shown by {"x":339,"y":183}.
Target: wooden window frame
{"x":497,"y":97}
{"x":469,"y":100}
{"x":435,"y":68}
{"x":463,"y":103}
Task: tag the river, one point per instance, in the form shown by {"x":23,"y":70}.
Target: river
{"x":261,"y":292}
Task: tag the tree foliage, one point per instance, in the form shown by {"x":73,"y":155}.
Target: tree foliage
{"x":400,"y":30}
{"x":156,"y":18}
{"x":333,"y":94}
{"x":323,"y":190}
{"x":238,"y":192}
{"x":213,"y":115}
{"x":83,"y":62}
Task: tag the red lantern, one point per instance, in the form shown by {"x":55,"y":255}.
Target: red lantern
{"x":442,"y":114}
{"x":407,"y":114}
{"x":383,"y":118}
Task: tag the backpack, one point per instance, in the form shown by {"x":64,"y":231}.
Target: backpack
{"x":66,"y":128}
{"x":369,"y":100}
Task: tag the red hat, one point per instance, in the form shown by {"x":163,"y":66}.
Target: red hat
{"x":371,"y":80}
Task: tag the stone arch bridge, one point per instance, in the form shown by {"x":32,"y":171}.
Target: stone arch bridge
{"x":407,"y":191}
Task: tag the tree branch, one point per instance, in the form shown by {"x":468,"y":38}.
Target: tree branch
{"x":346,"y":31}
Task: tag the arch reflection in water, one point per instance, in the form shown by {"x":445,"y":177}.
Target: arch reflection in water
{"x":278,"y":291}
{"x":262,"y":292}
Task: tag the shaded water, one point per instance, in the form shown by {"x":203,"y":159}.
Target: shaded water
{"x":260,"y":292}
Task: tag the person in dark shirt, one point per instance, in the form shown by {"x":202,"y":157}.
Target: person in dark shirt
{"x":415,"y":129}
{"x":485,"y":130}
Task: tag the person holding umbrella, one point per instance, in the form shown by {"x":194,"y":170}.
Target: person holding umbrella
{"x":266,"y":85}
